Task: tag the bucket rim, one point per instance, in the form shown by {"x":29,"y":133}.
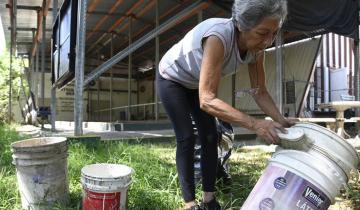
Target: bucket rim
{"x":103,"y":168}
{"x":21,"y":145}
{"x":105,"y":189}
{"x":19,"y":162}
{"x":331,"y":133}
{"x":329,"y":163}
{"x":93,"y":178}
{"x":330,"y":195}
{"x":41,"y":150}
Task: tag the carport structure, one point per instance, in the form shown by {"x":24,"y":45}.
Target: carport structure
{"x":120,"y":42}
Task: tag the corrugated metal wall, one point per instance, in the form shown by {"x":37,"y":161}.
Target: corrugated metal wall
{"x":336,"y":52}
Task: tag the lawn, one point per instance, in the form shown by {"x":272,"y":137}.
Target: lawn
{"x":155,"y":184}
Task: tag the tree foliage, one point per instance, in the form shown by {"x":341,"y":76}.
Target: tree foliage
{"x":17,"y":72}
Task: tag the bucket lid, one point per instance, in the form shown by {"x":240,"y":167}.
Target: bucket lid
{"x":293,"y":134}
{"x":106,"y":171}
{"x":106,"y":177}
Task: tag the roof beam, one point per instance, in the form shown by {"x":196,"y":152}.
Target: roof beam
{"x":148,"y":26}
{"x":172,"y":38}
{"x":137,"y":17}
{"x":25,"y":7}
{"x":89,"y":11}
{"x":129,"y":12}
{"x":50,"y":30}
{"x":103,"y":19}
{"x":117,"y":14}
{"x":41,"y":13}
{"x":25,"y":29}
{"x":181,"y":16}
{"x":92,"y":6}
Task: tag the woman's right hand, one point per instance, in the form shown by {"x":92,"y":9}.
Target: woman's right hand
{"x":267,"y":130}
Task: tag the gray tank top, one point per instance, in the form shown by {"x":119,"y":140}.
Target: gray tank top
{"x":182,"y":62}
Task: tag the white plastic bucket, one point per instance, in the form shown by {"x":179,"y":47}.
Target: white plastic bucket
{"x":105,"y":186}
{"x":41,"y":170}
{"x":295,"y":180}
{"x":330,"y":145}
{"x":308,"y":178}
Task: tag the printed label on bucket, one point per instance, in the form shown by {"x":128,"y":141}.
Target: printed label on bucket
{"x":280,"y":189}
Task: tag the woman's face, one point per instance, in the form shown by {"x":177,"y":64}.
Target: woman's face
{"x":261,"y":36}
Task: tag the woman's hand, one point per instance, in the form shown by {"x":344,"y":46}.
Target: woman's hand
{"x":288,"y":122}
{"x":267,"y":130}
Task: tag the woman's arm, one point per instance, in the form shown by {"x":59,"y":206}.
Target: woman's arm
{"x":210,"y":75}
{"x":262,"y":96}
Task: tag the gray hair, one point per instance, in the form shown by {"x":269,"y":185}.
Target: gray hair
{"x":249,"y":13}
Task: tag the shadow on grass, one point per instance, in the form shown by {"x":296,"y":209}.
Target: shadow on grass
{"x":245,"y":171}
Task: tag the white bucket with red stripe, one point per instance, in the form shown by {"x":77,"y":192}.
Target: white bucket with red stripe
{"x":105,"y":186}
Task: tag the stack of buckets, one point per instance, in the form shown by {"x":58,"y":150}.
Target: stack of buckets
{"x":41,"y":170}
{"x":308,"y":173}
{"x":105,"y":186}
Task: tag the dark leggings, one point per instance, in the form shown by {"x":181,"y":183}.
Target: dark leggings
{"x":181,"y":104}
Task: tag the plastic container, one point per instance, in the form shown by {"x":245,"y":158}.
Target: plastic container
{"x":295,"y":180}
{"x":41,"y":170}
{"x":308,"y":173}
{"x":105,"y":186}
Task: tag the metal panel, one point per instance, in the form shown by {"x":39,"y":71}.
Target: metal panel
{"x":65,"y":43}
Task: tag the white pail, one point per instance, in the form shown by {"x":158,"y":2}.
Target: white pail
{"x":295,"y":180}
{"x":308,"y":178}
{"x":41,"y":170}
{"x":105,"y":186}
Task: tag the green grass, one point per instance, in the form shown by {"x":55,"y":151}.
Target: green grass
{"x":9,"y":195}
{"x":155,"y":182}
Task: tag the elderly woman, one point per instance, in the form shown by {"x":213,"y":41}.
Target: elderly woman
{"x":188,"y":80}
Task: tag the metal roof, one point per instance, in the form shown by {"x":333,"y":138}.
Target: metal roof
{"x":26,"y":21}
{"x":107,"y":17}
{"x":104,"y":18}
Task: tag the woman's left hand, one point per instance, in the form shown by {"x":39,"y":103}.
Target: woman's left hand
{"x":288,"y":122}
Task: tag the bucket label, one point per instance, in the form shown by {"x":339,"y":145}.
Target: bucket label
{"x":313,"y":196}
{"x":280,"y":189}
